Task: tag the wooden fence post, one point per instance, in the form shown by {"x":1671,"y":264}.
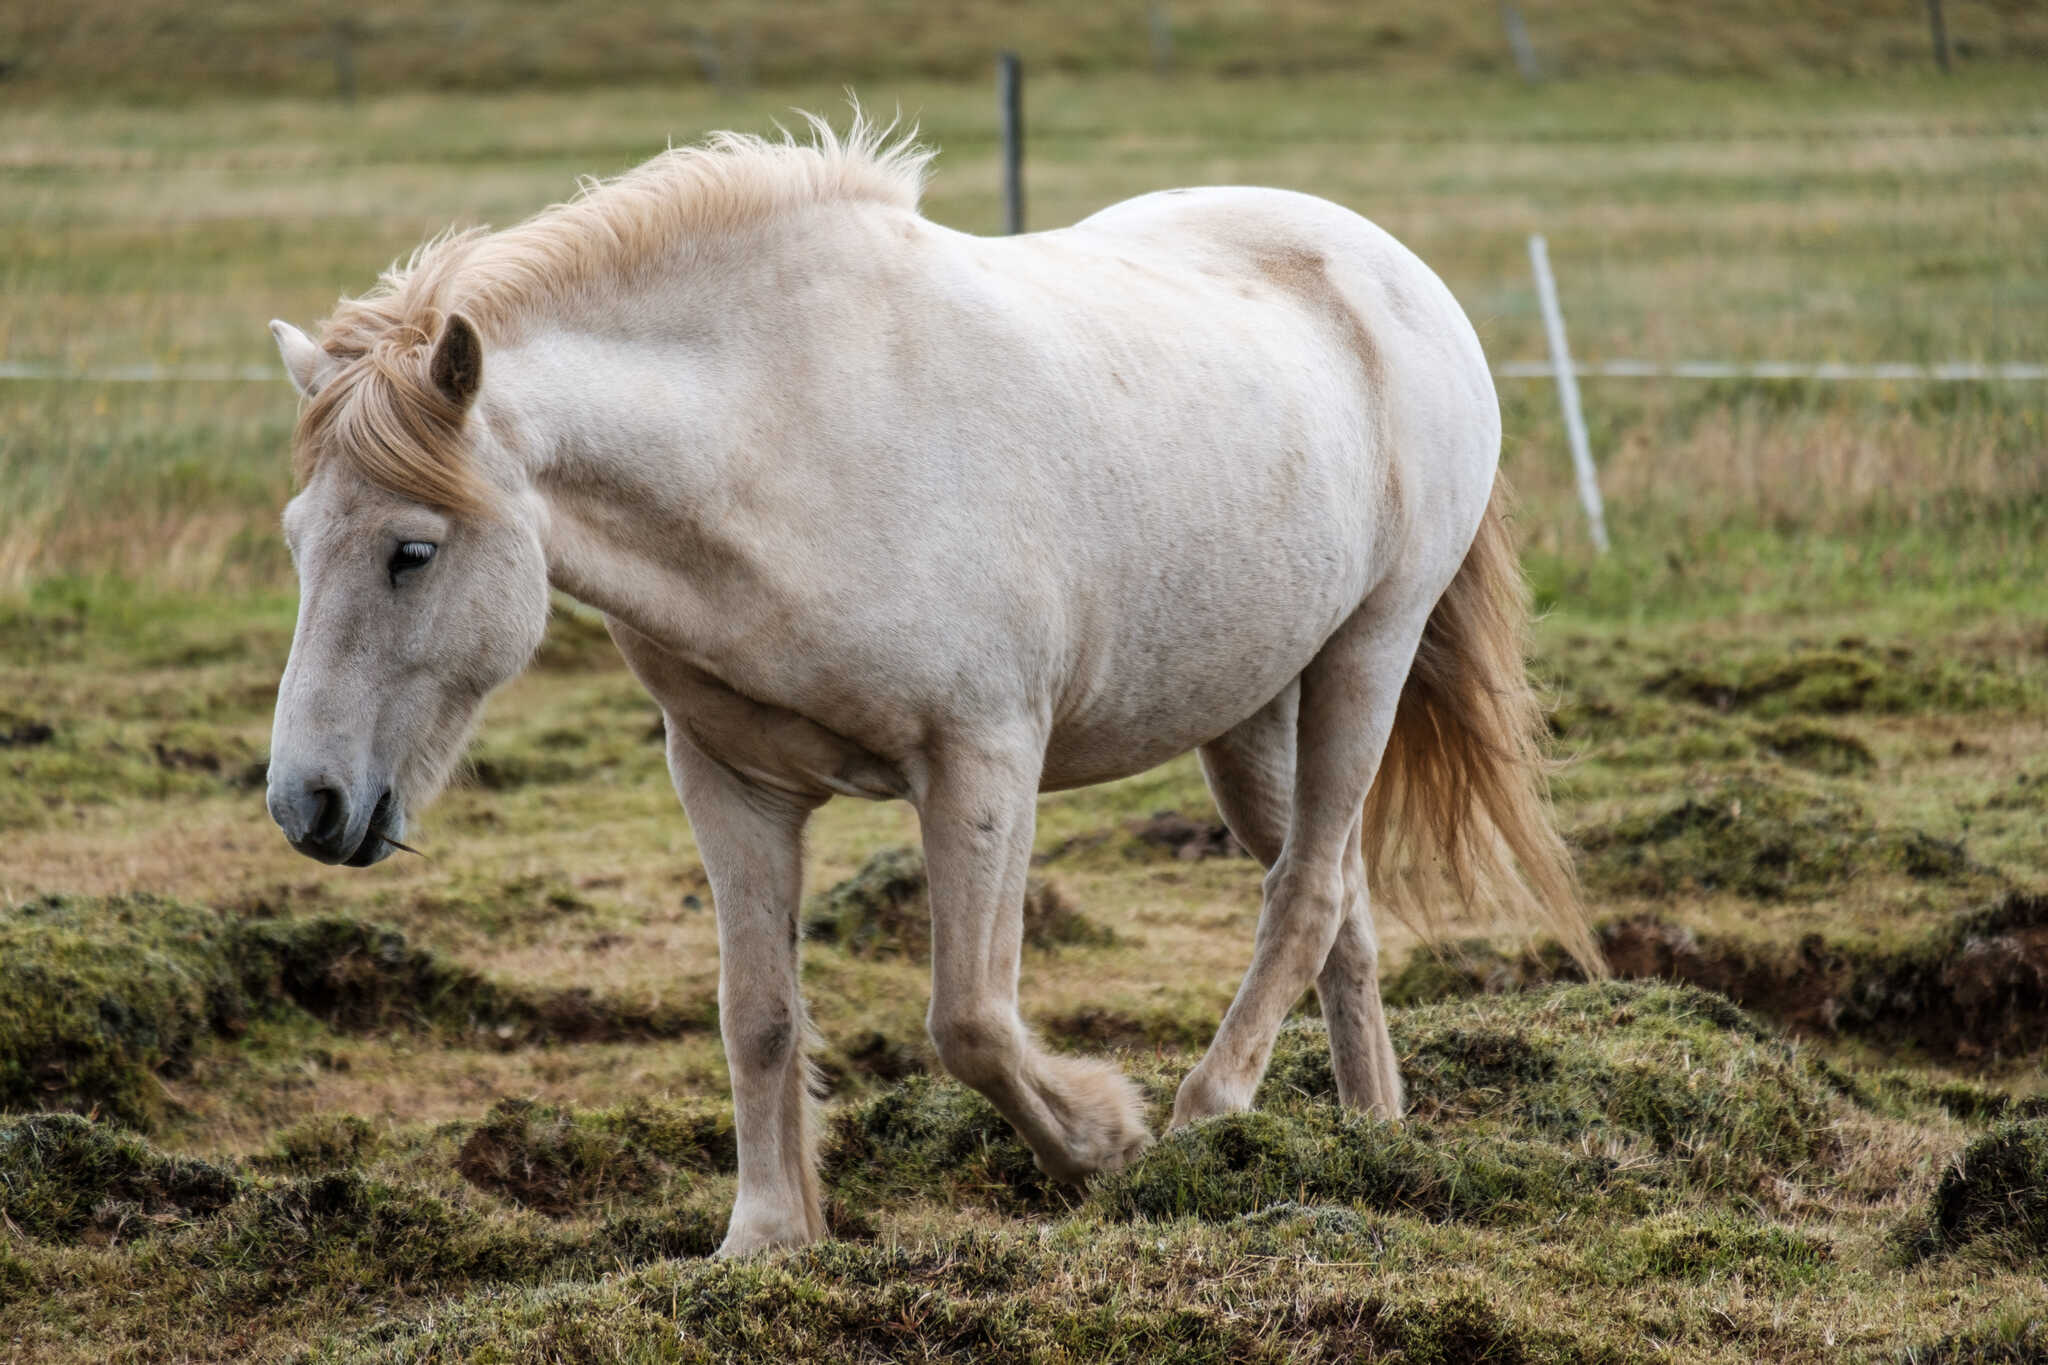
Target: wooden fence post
{"x":1568,"y":392}
{"x":1010,"y":98}
{"x":342,"y":39}
{"x":1939,"y":30}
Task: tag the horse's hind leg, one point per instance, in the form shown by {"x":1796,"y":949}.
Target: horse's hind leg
{"x":1250,"y":772}
{"x":1251,"y":775}
{"x":1361,"y":1050}
{"x":978,"y":813}
{"x":1316,"y":924}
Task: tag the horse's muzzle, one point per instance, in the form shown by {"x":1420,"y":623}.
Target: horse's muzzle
{"x":317,"y":821}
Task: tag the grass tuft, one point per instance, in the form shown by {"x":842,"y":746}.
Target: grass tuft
{"x":1995,"y":1193}
{"x":559,"y":1160}
{"x":1761,"y":840}
{"x":931,"y":1136}
{"x":1712,"y":1245}
{"x":63,"y":1177}
{"x":1848,"y":679}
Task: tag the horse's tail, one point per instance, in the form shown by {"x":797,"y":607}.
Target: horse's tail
{"x":1462,"y":797}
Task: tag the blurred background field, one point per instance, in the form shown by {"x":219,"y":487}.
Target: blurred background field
{"x":476,"y":1102}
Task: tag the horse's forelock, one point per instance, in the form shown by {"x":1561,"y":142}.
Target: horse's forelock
{"x":384,"y":417}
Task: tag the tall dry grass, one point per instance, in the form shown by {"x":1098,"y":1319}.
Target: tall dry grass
{"x":1820,"y":220}
{"x":182,"y":48}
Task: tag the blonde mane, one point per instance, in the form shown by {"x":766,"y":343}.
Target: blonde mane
{"x":382,"y":412}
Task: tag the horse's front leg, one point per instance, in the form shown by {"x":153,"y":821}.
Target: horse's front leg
{"x":751,"y":840}
{"x":1078,"y":1116}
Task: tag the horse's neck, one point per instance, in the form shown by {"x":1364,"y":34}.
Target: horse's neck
{"x":597,"y":424}
{"x":639,"y":419}
{"x":647,"y":384}
{"x":634,"y":444}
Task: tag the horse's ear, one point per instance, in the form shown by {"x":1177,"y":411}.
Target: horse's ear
{"x":304,"y":360}
{"x":457,"y":368}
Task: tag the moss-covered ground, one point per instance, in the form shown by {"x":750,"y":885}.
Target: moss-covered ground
{"x":472,"y":1106}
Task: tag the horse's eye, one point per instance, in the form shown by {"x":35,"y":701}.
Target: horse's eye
{"x":411,"y":555}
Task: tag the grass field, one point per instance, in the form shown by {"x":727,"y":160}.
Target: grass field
{"x":473,"y":1106}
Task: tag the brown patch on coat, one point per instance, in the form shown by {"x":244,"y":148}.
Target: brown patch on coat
{"x":1306,"y":275}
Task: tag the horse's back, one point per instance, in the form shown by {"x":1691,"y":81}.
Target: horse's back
{"x":1337,"y":263}
{"x":1397,"y":376}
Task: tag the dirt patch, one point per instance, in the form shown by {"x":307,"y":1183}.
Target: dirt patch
{"x":1853,"y":676}
{"x":2028,"y":792}
{"x":878,"y":1056}
{"x":505,"y":772}
{"x":884,"y":911}
{"x":24,"y":734}
{"x":98,"y":996}
{"x":1818,"y":682}
{"x":364,"y":978}
{"x":1093,"y":1028}
{"x":1817,"y":749}
{"x":180,"y":759}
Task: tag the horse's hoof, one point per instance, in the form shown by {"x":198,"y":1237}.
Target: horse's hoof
{"x":747,"y":1239}
{"x":1136,"y":1147}
{"x":1199,"y":1098}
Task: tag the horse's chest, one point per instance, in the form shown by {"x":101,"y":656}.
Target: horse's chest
{"x":768,"y":744}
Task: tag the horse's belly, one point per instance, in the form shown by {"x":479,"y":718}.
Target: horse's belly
{"x":1157,"y":684}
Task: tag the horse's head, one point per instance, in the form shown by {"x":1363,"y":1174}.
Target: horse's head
{"x":422,"y":584}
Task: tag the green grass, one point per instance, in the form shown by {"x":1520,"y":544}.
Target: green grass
{"x":471,"y":1106}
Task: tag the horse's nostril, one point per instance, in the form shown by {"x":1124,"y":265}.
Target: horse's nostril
{"x":330,"y":813}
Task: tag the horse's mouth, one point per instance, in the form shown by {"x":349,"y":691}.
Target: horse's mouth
{"x":386,"y":824}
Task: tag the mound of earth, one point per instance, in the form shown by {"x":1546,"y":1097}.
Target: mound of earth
{"x":559,"y":1160}
{"x":98,"y":995}
{"x":1973,"y":986}
{"x":1995,"y":1192}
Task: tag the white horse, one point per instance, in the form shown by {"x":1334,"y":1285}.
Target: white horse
{"x":876,"y":508}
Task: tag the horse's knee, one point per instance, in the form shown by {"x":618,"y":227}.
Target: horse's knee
{"x":761,"y":1039}
{"x":976,"y":1045}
